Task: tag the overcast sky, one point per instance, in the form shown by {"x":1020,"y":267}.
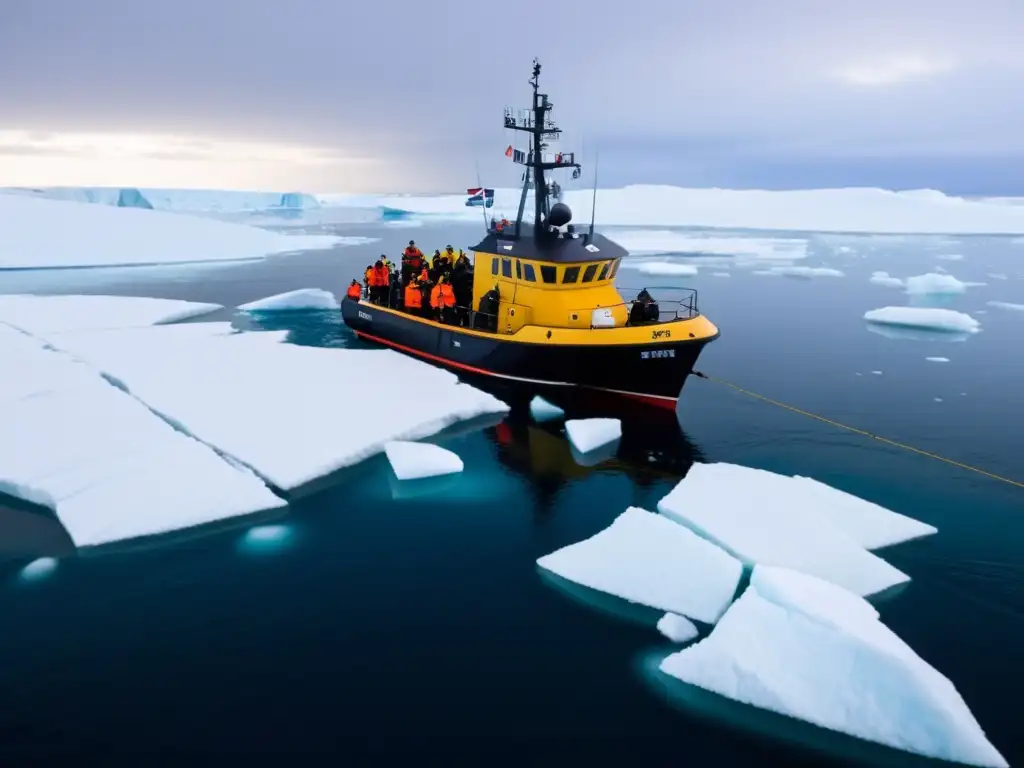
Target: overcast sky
{"x":408,"y":95}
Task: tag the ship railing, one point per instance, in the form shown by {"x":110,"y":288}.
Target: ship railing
{"x":669,"y":309}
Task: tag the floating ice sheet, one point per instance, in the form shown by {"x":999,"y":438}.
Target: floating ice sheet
{"x":303,"y":298}
{"x":590,"y":434}
{"x":415,"y":461}
{"x":48,"y":314}
{"x":924,"y":318}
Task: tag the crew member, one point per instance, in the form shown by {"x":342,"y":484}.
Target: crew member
{"x":414,"y":297}
{"x":435,"y":265}
{"x":412,"y":258}
{"x":462,"y":285}
{"x":354,"y":291}
{"x":442,"y":301}
{"x":368,"y":281}
{"x":487,"y":314}
{"x":463,"y":259}
{"x":381,"y":283}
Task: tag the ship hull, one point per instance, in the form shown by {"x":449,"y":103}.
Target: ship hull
{"x":651,"y":373}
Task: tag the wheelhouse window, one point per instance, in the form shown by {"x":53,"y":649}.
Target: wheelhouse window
{"x":494,"y":265}
{"x":615,"y":268}
{"x":548,"y":274}
{"x":604,"y":270}
{"x":519,"y":270}
{"x":589,"y":272}
{"x":528,"y":272}
{"x":571,"y":275}
{"x":506,"y":267}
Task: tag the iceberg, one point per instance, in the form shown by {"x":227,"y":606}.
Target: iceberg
{"x":181,"y":200}
{"x":108,"y":468}
{"x":764,"y":518}
{"x":295,"y":200}
{"x":924,"y":319}
{"x":653,"y":242}
{"x":1006,"y":305}
{"x":806,"y":650}
{"x":884,"y":278}
{"x":843,"y":211}
{"x":36,"y":231}
{"x":676,"y":628}
{"x":40,"y":315}
{"x":303,"y":298}
{"x":934,"y":284}
{"x":132,"y":198}
{"x":647,"y":559}
{"x":590,"y":434}
{"x":541,"y":410}
{"x":292,"y":414}
{"x":416,"y":461}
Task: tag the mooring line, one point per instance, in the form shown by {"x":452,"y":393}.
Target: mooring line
{"x":865,"y":433}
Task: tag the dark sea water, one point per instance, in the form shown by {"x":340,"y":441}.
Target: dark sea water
{"x":380,"y":621}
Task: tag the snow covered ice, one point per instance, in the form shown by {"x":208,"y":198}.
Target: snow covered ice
{"x":541,"y":410}
{"x":925,"y":319}
{"x":303,"y":298}
{"x":665,"y":269}
{"x":805,"y":272}
{"x":676,"y":628}
{"x":647,"y":559}
{"x":35,"y":235}
{"x":761,"y":517}
{"x":101,"y":460}
{"x":292,"y":414}
{"x":807,"y":649}
{"x":590,"y":434}
{"x":937,"y":359}
{"x":415,"y":461}
{"x":653,"y":242}
{"x":1006,"y":305}
{"x":884,"y":278}
{"x":49,"y":314}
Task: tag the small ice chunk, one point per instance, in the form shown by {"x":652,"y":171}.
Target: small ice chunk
{"x":720,"y":274}
{"x":667,"y":269}
{"x":648,"y":559}
{"x":589,"y":434}
{"x":800,"y":652}
{"x":925,"y":318}
{"x":937,"y":359}
{"x":415,"y":461}
{"x":805,"y":272}
{"x":303,"y":298}
{"x":998,"y":276}
{"x":764,"y":518}
{"x":53,"y":314}
{"x":542,"y":410}
{"x":877,"y":373}
{"x":676,"y":628}
{"x":938,"y":399}
{"x":952,"y":257}
{"x":1006,"y":305}
{"x":884,"y":278}
{"x":933,"y":284}
{"x":870,"y":525}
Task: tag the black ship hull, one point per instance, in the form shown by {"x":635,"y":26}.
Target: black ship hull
{"x":651,"y":373}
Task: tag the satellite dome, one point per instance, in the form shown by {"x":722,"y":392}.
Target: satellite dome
{"x":560,"y":215}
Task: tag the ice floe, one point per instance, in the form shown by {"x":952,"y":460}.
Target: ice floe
{"x":590,"y":434}
{"x":54,"y":314}
{"x":1006,"y":305}
{"x":415,"y":461}
{"x":303,"y":298}
{"x":542,"y":410}
{"x":676,"y":628}
{"x":925,"y":319}
{"x":648,"y":559}
{"x":292,"y":414}
{"x":652,"y":242}
{"x":100,"y":459}
{"x":937,"y":359}
{"x":805,"y":272}
{"x":934,"y":284}
{"x":884,"y":278}
{"x":764,"y":518}
{"x":808,"y":650}
{"x":664,"y":269}
{"x":36,"y":235}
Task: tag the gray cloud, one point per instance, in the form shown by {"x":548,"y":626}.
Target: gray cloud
{"x":424,"y":84}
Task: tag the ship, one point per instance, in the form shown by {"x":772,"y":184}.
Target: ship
{"x":545,"y":311}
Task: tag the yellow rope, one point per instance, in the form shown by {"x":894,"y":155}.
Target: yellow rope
{"x":861,"y":431}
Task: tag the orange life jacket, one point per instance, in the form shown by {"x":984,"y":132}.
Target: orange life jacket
{"x":368,"y":276}
{"x":381,"y":277}
{"x":442,"y":296}
{"x":354,"y":291}
{"x":424,"y":274}
{"x":413,"y":296}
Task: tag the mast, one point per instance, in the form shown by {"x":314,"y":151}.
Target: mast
{"x":541,"y":130}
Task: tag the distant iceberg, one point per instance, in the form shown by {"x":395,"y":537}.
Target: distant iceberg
{"x":924,"y":319}
{"x":132,"y":198}
{"x":298,"y":200}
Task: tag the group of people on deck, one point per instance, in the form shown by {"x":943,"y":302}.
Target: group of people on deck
{"x":440,"y":289}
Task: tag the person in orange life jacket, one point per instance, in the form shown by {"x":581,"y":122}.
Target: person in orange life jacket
{"x":442,"y":301}
{"x":412,"y":258}
{"x":381,"y":283}
{"x":414,"y":297}
{"x":368,"y":279}
{"x":355,"y":291}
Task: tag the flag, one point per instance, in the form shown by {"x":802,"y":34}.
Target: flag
{"x":558,"y":157}
{"x":479,"y":196}
{"x":508,"y":152}
{"x":518,"y":156}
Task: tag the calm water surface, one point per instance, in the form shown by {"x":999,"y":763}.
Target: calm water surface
{"x":380,"y":620}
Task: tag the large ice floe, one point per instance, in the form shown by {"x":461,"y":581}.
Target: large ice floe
{"x":55,"y":314}
{"x":182,"y":200}
{"x":108,"y":468}
{"x":807,"y":649}
{"x":648,"y":559}
{"x":932,"y":319}
{"x":762,"y":517}
{"x":856,"y":210}
{"x":39,"y":233}
{"x":588,"y":435}
{"x":290,"y":413}
{"x":301,"y":299}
